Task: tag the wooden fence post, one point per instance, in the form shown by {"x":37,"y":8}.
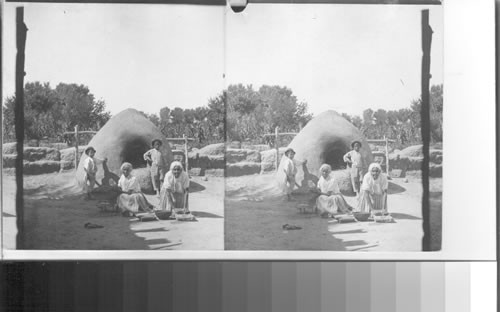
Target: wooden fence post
{"x":186,"y":152}
{"x":425,"y":117}
{"x":276,"y":135}
{"x":386,"y":155}
{"x":76,"y":147}
{"x":21,"y":31}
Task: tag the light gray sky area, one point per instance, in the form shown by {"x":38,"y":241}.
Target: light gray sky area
{"x":132,"y":56}
{"x":342,"y":57}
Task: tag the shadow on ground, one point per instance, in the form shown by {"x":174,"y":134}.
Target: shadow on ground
{"x":404,"y":216}
{"x":354,"y":243}
{"x":259,"y":226}
{"x":360,"y":231}
{"x":195,"y":187}
{"x":395,"y":189}
{"x":203,"y":214}
{"x":436,"y":220}
{"x":43,"y":216}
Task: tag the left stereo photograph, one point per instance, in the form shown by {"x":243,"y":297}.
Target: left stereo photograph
{"x":113,"y":127}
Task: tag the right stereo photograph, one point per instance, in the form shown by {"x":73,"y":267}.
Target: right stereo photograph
{"x":334,"y":130}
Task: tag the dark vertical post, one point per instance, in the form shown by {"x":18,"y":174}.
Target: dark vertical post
{"x":1,"y":133}
{"x":19,"y":123}
{"x":425,"y":127}
{"x":76,"y":147}
{"x":276,"y":137}
{"x":186,"y":160}
{"x":497,"y":112}
{"x":386,"y":155}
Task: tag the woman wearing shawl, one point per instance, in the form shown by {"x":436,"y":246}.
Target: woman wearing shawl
{"x":132,"y":200}
{"x":373,"y":197}
{"x":330,"y":200}
{"x":175,"y":187}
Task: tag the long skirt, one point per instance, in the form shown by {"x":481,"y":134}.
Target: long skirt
{"x":166,"y":204}
{"x":356,"y":178}
{"x":372,"y":202}
{"x":133,"y":202}
{"x":332,"y":204}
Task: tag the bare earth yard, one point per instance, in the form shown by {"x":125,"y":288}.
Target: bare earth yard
{"x":56,"y":212}
{"x":250,"y":217}
{"x":255,"y":214}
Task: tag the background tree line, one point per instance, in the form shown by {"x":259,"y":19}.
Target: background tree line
{"x":206,"y":124}
{"x":253,"y":113}
{"x":238,"y":113}
{"x":49,"y":112}
{"x":403,"y":125}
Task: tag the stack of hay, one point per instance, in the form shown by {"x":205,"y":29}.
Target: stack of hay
{"x":208,"y":161}
{"x":241,"y":162}
{"x":408,"y":162}
{"x":37,"y":160}
{"x":268,"y":159}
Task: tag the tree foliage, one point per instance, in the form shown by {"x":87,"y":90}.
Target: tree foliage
{"x":206,"y":123}
{"x":237,"y":113}
{"x":251,"y":113}
{"x":49,"y":112}
{"x":404,"y":124}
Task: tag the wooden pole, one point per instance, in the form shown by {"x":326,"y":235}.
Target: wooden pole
{"x":386,"y":155}
{"x":425,"y":128}
{"x":21,"y":31}
{"x":76,"y":147}
{"x":186,"y":152}
{"x":276,"y":136}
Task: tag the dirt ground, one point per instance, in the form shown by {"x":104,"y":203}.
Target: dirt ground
{"x":250,"y":217}
{"x":56,"y":212}
{"x":256,"y":213}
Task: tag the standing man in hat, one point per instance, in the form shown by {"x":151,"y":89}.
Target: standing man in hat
{"x":354,"y":159}
{"x":290,"y":169}
{"x":90,"y":168}
{"x":157,"y":165}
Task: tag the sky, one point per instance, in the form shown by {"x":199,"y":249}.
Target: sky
{"x":131,"y":56}
{"x":341,"y":57}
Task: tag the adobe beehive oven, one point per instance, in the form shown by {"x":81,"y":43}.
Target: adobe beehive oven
{"x":325,"y":139}
{"x":125,"y":138}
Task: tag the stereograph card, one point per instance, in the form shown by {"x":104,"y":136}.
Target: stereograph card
{"x":263,"y":131}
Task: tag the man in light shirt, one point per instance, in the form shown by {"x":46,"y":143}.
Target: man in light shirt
{"x":290,"y":169}
{"x":355,"y":160}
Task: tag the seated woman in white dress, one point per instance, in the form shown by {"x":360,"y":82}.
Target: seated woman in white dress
{"x":330,"y":200}
{"x":132,"y":200}
{"x":175,"y":188}
{"x":373,"y":197}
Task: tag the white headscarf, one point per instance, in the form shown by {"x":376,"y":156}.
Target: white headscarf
{"x":329,"y":184}
{"x":375,"y":165}
{"x":375,"y":186}
{"x":176,"y":164}
{"x":176,"y":184}
{"x":126,"y":165}
{"x":324,"y":166}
